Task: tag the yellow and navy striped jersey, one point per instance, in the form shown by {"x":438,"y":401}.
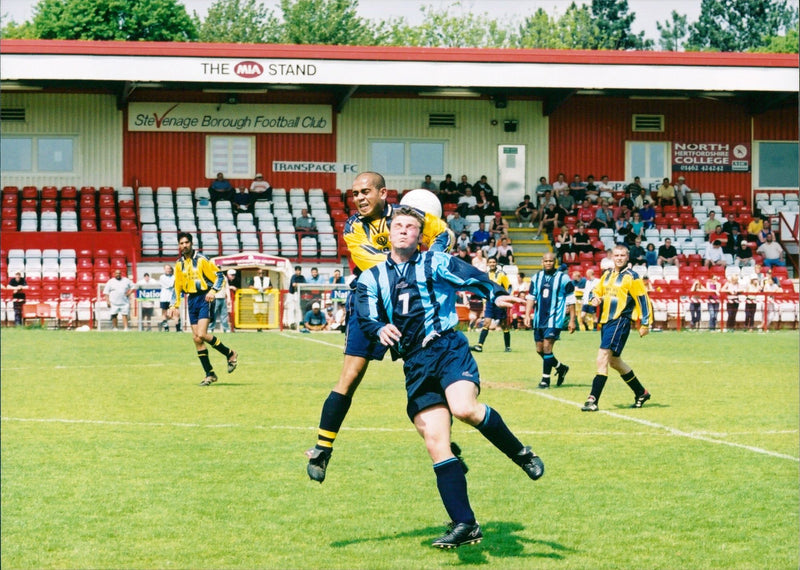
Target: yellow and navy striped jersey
{"x":368,"y":240}
{"x":196,"y":275}
{"x":624,"y":296}
{"x":499,"y":276}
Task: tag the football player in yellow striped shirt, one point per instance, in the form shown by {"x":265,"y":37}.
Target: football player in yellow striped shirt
{"x":366,"y":234}
{"x":200,"y":279}
{"x":624,"y":299}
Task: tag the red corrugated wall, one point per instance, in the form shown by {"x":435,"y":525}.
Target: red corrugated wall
{"x":588,"y":135}
{"x":178,"y":159}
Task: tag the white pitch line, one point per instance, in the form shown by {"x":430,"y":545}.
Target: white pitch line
{"x":309,"y":339}
{"x":698,"y":436}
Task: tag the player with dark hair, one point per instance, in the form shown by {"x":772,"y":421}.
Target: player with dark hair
{"x":623,"y":297}
{"x":366,"y":234}
{"x":200,"y":279}
{"x":553,"y":293}
{"x":408,"y":304}
{"x":494,"y":316}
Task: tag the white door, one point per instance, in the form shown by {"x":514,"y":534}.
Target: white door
{"x":510,"y":175}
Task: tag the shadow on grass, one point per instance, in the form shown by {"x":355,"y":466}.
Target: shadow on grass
{"x":500,"y":540}
{"x":647,"y":405}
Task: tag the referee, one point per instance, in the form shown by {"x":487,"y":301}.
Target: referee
{"x":200,"y":279}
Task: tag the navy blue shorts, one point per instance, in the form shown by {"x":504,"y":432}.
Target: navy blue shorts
{"x":165,"y":305}
{"x":198,"y":307}
{"x":494,"y":312}
{"x":614,"y":335}
{"x":540,"y":334}
{"x":431,"y":370}
{"x":355,"y":341}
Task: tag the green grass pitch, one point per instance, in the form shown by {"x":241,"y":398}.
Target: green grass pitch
{"x":114,"y":457}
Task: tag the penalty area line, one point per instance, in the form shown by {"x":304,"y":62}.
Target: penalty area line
{"x":671,"y":430}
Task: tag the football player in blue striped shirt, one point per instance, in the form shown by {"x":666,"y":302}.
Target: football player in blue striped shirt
{"x":553,"y":294}
{"x":408,"y":303}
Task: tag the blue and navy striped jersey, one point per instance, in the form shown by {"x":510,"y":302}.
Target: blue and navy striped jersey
{"x":418,"y":297}
{"x":553,"y":292}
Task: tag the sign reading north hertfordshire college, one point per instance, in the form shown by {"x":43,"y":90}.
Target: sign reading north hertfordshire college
{"x":710,"y":157}
{"x":227,"y":118}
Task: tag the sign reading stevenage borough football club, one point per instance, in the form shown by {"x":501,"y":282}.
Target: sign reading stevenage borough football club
{"x":710,"y":157}
{"x":228,"y":118}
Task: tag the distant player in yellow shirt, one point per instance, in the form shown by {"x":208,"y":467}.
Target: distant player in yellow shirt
{"x":366,"y":234}
{"x":624,"y":299}
{"x":200,"y":279}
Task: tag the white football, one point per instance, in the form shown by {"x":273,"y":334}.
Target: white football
{"x":424,"y":200}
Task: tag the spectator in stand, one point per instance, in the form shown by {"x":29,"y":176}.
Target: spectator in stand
{"x":637,"y":225}
{"x":694,"y":303}
{"x":219,"y":308}
{"x":526,"y":212}
{"x":315,"y":276}
{"x":467,"y":204}
{"x":221,"y":189}
{"x":772,"y":252}
{"x":622,"y":227}
{"x":666,"y":193}
{"x":577,"y":189}
{"x":713,"y":288}
{"x":731,"y":223}
{"x":448,"y":191}
{"x":541,"y":188}
{"x":457,"y":223}
{"x":635,"y":188}
{"x":578,"y":283}
{"x":637,"y":252}
{"x":713,"y":255}
{"x":147,"y":305}
{"x":305,"y":224}
{"x":429,"y":184}
{"x":560,"y":183}
{"x":743,"y":257}
{"x":464,"y":185}
{"x":242,"y":201}
{"x":463,"y":241}
{"x":733,"y":290}
{"x":754,"y":228}
{"x":751,"y":302}
{"x":505,"y":253}
{"x":499,"y":226}
{"x":490,"y":249}
{"x":682,"y":192}
{"x":260,"y":189}
{"x":592,"y":190}
{"x":761,"y":238}
{"x":667,"y":254}
{"x":483,"y":184}
{"x":549,"y":221}
{"x":297,"y":279}
{"x":711,"y":223}
{"x":641,"y":199}
{"x":734,"y":239}
{"x":464,"y":255}
{"x":484,"y":205}
{"x":566,"y":202}
{"x":581,"y":242}
{"x":339,"y":322}
{"x":544,"y":201}
{"x":771,"y":308}
{"x":17,"y":284}
{"x":718,"y":234}
{"x":563,"y":245}
{"x":479,"y":260}
{"x":117,"y":293}
{"x":627,"y":203}
{"x":481,"y":236}
{"x":651,"y":254}
{"x":603,"y":217}
{"x":585,"y":213}
{"x":336,"y":278}
{"x":495,"y":316}
{"x":604,"y":186}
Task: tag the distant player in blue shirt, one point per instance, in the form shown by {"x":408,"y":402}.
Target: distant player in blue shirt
{"x":553,"y":294}
{"x":408,"y":303}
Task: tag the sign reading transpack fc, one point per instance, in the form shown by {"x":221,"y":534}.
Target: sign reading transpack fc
{"x":225,"y":118}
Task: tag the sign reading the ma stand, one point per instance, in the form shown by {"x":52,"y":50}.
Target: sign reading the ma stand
{"x":228,"y":118}
{"x":710,"y":157}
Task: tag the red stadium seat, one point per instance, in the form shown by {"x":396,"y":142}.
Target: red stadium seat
{"x":30,"y":192}
{"x":88,"y":190}
{"x":84,"y":291}
{"x":106,"y":201}
{"x":107,"y":214}
{"x":69,"y":205}
{"x":128,"y":225}
{"x":69,"y":192}
{"x":7,"y":190}
{"x":9,"y":225}
{"x":87,"y":201}
{"x":106,"y":190}
{"x":49,"y":193}
{"x":108,"y":225}
{"x":88,"y":214}
{"x":9,"y":214}
{"x":10,"y":200}
{"x":101,"y":263}
{"x":88,"y":226}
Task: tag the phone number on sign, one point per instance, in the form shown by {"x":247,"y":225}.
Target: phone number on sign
{"x":701,"y":168}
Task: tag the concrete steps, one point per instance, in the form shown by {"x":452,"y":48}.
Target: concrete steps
{"x":528,"y":250}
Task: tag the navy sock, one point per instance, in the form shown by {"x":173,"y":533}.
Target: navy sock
{"x":633,"y":382}
{"x":217,"y":345}
{"x":496,"y":431}
{"x":548,"y":363}
{"x":598,"y":384}
{"x":334,"y":411}
{"x":484,"y":334}
{"x":507,"y":338}
{"x":452,"y":485}
{"x":204,"y":360}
